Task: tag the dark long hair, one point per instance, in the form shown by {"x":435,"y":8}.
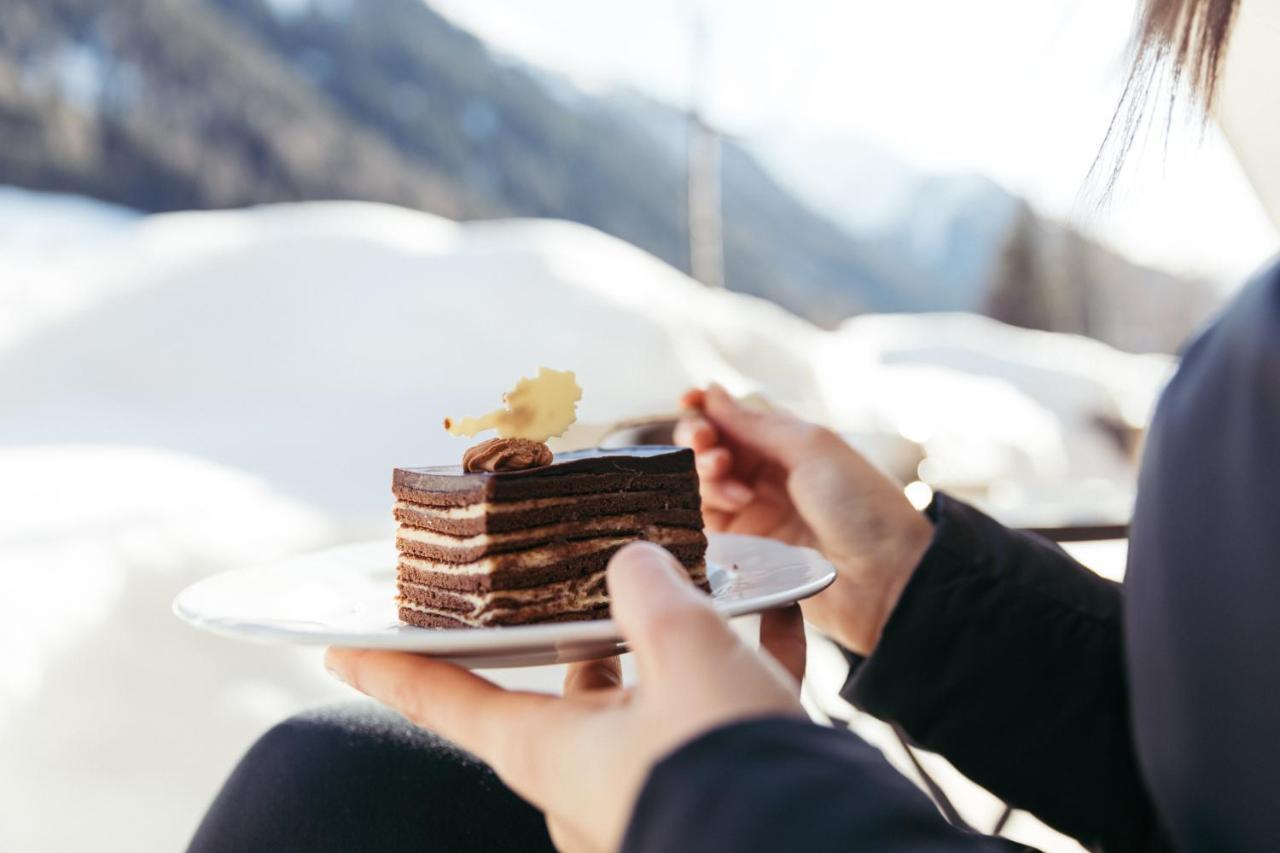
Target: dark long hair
{"x":1188,"y":38}
{"x":1177,"y":52}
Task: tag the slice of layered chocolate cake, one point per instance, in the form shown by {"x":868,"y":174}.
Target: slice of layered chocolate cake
{"x":509,"y":547}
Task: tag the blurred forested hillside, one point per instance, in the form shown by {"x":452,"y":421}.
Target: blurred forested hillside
{"x":164,"y":105}
{"x":175,"y":104}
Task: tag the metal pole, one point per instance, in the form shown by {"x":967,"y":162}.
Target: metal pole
{"x":706,"y":226}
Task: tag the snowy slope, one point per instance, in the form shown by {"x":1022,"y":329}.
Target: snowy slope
{"x":277,"y":338}
{"x":231,"y":335}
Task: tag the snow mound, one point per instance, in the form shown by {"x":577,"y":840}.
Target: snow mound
{"x":318,"y":345}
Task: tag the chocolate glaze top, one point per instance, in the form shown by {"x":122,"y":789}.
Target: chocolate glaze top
{"x":450,"y":485}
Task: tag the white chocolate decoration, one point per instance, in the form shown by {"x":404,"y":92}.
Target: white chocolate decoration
{"x":536,"y":409}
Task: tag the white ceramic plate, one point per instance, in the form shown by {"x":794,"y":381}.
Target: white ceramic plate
{"x":345,"y":597}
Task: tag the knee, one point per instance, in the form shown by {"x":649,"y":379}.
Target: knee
{"x":350,"y":746}
{"x":356,"y":777}
{"x":342,"y":741}
{"x":312,"y":737}
{"x":316,"y":781}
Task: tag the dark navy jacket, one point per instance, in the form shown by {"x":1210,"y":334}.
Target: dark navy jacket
{"x":1142,"y":717}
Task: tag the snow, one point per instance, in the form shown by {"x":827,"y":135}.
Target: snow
{"x":184,"y":393}
{"x":243,"y":327}
{"x":992,"y":402}
{"x":100,"y":681}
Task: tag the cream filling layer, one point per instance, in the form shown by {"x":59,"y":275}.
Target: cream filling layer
{"x":559,"y":597}
{"x":549,"y":599}
{"x":605,"y":525}
{"x":486,"y":508}
{"x":546,"y":555}
{"x":463,"y":617}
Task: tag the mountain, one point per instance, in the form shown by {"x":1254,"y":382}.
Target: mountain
{"x":163,"y":105}
{"x":985,"y":250}
{"x":947,"y":228}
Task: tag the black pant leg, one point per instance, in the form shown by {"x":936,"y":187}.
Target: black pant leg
{"x":358,"y":777}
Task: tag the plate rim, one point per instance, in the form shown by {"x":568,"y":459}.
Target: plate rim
{"x":489,"y":642}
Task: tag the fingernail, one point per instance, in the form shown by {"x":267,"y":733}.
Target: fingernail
{"x":737,"y":492}
{"x":641,"y":560}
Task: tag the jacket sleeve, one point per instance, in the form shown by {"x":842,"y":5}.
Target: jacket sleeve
{"x":1005,"y":656}
{"x":786,"y":784}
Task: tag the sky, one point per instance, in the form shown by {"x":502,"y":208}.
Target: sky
{"x":1019,"y":90}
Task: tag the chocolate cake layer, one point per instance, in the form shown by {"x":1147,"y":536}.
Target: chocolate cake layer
{"x":580,"y":472}
{"x":524,"y":569}
{"x":587,"y":595}
{"x":585,"y":484}
{"x":465,"y":549}
{"x":569,"y":594}
{"x":432,"y":619}
{"x":490,"y":517}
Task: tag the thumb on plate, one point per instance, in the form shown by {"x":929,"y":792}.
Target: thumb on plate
{"x":669,"y":623}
